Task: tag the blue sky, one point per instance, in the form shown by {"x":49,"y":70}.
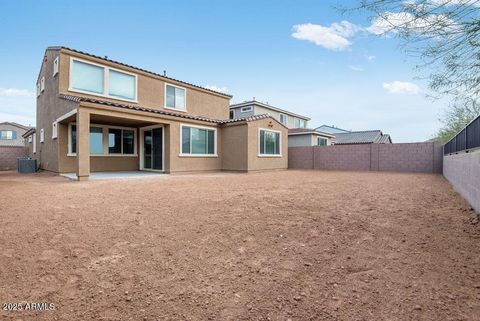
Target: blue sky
{"x":286,"y":53}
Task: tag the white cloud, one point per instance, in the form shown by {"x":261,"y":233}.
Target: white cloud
{"x":334,"y":37}
{"x":215,"y":88}
{"x":355,"y":68}
{"x":371,"y":57}
{"x":13,"y":92}
{"x":401,"y":87}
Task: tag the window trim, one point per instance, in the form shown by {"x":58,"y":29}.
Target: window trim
{"x":54,"y":130}
{"x":300,"y":120}
{"x":280,"y":119}
{"x":105,"y":141}
{"x":181,"y":154}
{"x":42,"y":135}
{"x":184,"y":110}
{"x":56,"y":63}
{"x":325,"y":139}
{"x":232,"y":111}
{"x":42,"y":84}
{"x":7,"y":131}
{"x":106,"y":80}
{"x":280,"y":143}
{"x":246,"y":109}
{"x":34,"y":148}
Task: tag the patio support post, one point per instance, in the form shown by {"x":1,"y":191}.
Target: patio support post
{"x":83,"y":144}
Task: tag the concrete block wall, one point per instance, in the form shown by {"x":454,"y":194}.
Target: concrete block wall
{"x":300,"y":157}
{"x":463,"y":172}
{"x":342,"y":157}
{"x":8,"y":156}
{"x":410,"y":157}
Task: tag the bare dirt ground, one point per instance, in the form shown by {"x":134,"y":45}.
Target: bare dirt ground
{"x":290,"y":245}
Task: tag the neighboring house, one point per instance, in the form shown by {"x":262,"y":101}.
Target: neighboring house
{"x":308,"y":137}
{"x":331,"y":129}
{"x":30,"y":141}
{"x":97,"y":114}
{"x":11,"y":144}
{"x":253,"y":107}
{"x":362,"y":137}
{"x":11,"y":134}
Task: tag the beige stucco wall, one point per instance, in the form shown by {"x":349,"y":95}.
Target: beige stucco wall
{"x":49,"y":108}
{"x":235,"y":147}
{"x":173,"y":162}
{"x":256,"y":162}
{"x":151,"y":90}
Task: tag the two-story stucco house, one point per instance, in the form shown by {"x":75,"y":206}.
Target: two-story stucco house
{"x":253,"y":107}
{"x":96,"y":114}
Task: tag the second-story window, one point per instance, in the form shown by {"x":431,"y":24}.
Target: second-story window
{"x":121,"y":85}
{"x":87,"y":77}
{"x":175,"y":97}
{"x":300,"y":123}
{"x":102,"y":81}
{"x":8,"y":134}
{"x":283,"y":119}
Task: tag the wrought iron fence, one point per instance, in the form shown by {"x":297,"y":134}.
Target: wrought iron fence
{"x":467,"y":139}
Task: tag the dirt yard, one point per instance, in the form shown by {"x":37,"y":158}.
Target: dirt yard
{"x":290,"y":245}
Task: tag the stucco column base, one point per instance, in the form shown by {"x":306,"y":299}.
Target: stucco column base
{"x":83,"y":178}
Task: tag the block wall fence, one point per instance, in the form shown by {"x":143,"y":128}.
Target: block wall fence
{"x":463,"y":172}
{"x":407,"y":157}
{"x":8,"y":156}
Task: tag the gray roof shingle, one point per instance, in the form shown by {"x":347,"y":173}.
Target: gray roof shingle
{"x":362,"y":137}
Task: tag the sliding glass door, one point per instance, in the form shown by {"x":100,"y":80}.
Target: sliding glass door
{"x":153,"y":149}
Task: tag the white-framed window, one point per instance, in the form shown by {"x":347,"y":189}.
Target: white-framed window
{"x":55,"y":66}
{"x":175,"y":97}
{"x":321,"y":141}
{"x":105,"y":140}
{"x":246,"y":109}
{"x":30,"y":139}
{"x":42,"y":84}
{"x":269,"y":143}
{"x":300,"y":123}
{"x":42,"y":135}
{"x":34,"y":149}
{"x":284,"y":119}
{"x":8,"y":134}
{"x":95,"y":79}
{"x":198,"y":141}
{"x":232,"y":113}
{"x":38,"y":89}
{"x":54,"y":130}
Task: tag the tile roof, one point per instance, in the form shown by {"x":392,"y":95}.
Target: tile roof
{"x":79,"y":99}
{"x":361,"y":137}
{"x":136,"y":68}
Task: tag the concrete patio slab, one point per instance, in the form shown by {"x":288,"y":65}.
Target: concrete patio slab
{"x":115,"y":175}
